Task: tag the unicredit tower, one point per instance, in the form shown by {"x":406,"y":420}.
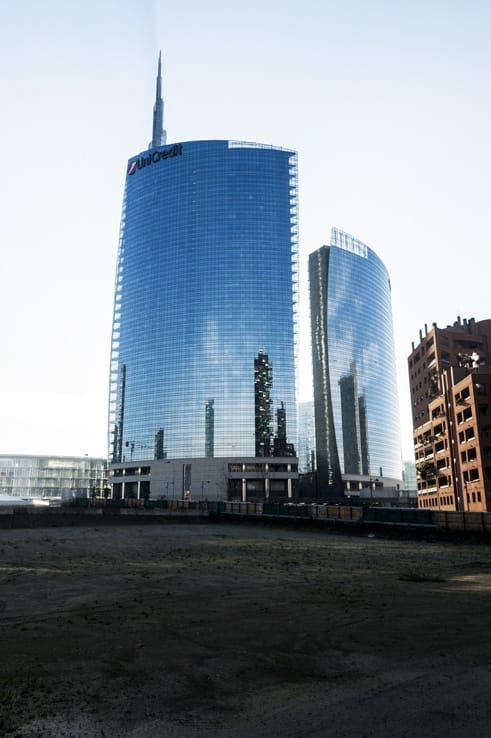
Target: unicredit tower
{"x":203,"y":340}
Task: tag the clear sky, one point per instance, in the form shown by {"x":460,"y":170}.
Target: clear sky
{"x":387,"y":103}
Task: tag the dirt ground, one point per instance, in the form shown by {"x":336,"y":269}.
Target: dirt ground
{"x":238,"y":631}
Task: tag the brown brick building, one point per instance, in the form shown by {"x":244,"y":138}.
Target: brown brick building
{"x":450,"y":385}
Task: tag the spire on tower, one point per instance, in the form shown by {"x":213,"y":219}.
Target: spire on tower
{"x":159,"y":135}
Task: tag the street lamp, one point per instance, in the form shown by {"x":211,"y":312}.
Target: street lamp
{"x":173,"y":478}
{"x":373,"y":482}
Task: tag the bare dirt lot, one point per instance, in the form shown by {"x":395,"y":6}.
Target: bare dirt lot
{"x":238,"y":631}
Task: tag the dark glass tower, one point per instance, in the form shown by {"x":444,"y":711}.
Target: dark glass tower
{"x":355,"y":389}
{"x":206,"y":280}
{"x":263,"y":381}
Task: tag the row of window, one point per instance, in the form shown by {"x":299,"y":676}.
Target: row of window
{"x":130,"y":471}
{"x":262,"y":467}
{"x":469,"y":434}
{"x":448,"y":500}
{"x":432,"y":502}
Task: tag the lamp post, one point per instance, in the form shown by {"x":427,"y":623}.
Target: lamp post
{"x":173,"y":479}
{"x":266,"y":481}
{"x":373,"y":482}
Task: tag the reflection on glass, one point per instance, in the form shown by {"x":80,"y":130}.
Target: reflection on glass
{"x":206,"y":278}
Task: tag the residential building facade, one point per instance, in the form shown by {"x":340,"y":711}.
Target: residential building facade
{"x":450,"y":385}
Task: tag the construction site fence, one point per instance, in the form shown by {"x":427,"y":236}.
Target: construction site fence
{"x":478,"y":522}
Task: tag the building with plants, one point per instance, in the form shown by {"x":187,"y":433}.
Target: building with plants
{"x":450,"y":385}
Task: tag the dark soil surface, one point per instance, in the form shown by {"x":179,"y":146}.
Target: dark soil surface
{"x":206,"y":629}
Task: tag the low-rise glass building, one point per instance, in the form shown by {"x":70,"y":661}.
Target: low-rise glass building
{"x":52,"y":476}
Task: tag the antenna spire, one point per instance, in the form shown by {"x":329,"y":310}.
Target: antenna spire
{"x":159,"y":135}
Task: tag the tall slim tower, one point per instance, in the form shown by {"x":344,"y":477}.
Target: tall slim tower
{"x":355,"y":389}
{"x":159,"y":135}
{"x":263,"y":382}
{"x":350,"y":414}
{"x":209,"y":429}
{"x":206,"y":275}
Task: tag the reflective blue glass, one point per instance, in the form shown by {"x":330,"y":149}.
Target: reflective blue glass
{"x":206,"y":279}
{"x":355,"y":386}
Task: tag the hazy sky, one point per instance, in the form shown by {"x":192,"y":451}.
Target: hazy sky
{"x":387,"y":103}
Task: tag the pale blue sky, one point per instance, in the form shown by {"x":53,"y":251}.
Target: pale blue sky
{"x":386,"y":103}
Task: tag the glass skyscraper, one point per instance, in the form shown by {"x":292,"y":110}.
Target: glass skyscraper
{"x":355,"y":388}
{"x":205,"y":292}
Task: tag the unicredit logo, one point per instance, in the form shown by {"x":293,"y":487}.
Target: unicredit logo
{"x":154,"y":158}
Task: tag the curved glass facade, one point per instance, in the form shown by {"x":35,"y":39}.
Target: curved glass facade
{"x":355,"y":387}
{"x":205,"y":288}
